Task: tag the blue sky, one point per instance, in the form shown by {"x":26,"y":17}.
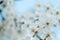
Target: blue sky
{"x":24,"y":5}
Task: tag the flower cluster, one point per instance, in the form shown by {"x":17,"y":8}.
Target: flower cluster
{"x":41,"y":23}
